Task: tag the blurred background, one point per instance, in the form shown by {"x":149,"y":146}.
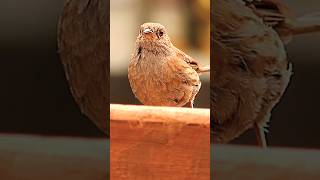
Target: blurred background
{"x":34,"y":94}
{"x":187,"y":23}
{"x":35,"y":97}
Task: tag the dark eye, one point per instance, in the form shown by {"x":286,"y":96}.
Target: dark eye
{"x":161,"y":33}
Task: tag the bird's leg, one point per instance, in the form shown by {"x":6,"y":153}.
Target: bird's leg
{"x":261,"y":138}
{"x":189,"y":104}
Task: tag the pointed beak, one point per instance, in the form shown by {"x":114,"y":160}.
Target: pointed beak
{"x":147,"y":31}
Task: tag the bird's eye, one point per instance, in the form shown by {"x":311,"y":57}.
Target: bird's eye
{"x":161,"y":33}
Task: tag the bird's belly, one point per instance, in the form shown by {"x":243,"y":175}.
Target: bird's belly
{"x":152,"y":86}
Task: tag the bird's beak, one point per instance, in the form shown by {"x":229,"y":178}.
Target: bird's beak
{"x":147,"y":31}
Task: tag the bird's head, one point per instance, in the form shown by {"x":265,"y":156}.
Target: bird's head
{"x":154,"y":32}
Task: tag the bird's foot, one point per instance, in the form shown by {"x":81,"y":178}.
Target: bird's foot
{"x":189,"y":104}
{"x":260,"y":134}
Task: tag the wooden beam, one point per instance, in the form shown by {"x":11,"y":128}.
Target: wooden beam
{"x":51,"y":158}
{"x":159,"y":114}
{"x":159,"y":142}
{"x":241,"y":162}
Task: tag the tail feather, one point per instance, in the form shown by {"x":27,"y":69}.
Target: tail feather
{"x":309,"y":23}
{"x":204,"y":69}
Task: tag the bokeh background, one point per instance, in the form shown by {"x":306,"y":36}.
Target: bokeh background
{"x":34,"y":94}
{"x":35,"y":98}
{"x":187,"y":23}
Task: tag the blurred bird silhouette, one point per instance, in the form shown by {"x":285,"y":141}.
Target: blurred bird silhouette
{"x":250,"y":67}
{"x":83,"y":42}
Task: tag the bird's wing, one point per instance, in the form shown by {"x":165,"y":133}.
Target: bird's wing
{"x":277,"y":14}
{"x":272,"y":12}
{"x":82,"y":42}
{"x":192,"y":62}
{"x":189,"y":60}
{"x":183,"y":81}
{"x":223,"y":104}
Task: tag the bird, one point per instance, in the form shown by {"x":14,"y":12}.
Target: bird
{"x":250,"y":67}
{"x":159,"y":73}
{"x":83,"y":40}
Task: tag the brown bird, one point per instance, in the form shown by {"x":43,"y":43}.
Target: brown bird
{"x":83,"y":41}
{"x":250,"y":65}
{"x":159,"y":73}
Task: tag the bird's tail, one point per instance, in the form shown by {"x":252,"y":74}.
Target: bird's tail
{"x":307,"y":24}
{"x":204,"y":69}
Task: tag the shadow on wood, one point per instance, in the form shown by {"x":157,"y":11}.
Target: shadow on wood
{"x":159,"y":143}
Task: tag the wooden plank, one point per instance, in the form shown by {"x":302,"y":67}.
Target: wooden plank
{"x":51,"y":158}
{"x":251,"y":163}
{"x":159,"y":143}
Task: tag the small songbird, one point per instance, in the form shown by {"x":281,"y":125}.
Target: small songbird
{"x":159,"y":73}
{"x":251,"y":69}
{"x":83,"y":38}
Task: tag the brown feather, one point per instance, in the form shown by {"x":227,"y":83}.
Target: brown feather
{"x":159,"y":73}
{"x":83,"y":47}
{"x":250,"y":70}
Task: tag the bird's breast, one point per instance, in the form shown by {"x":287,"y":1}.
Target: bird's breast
{"x":147,"y":79}
{"x":155,"y":81}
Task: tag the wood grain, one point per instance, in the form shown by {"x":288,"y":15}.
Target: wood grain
{"x":159,"y":143}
